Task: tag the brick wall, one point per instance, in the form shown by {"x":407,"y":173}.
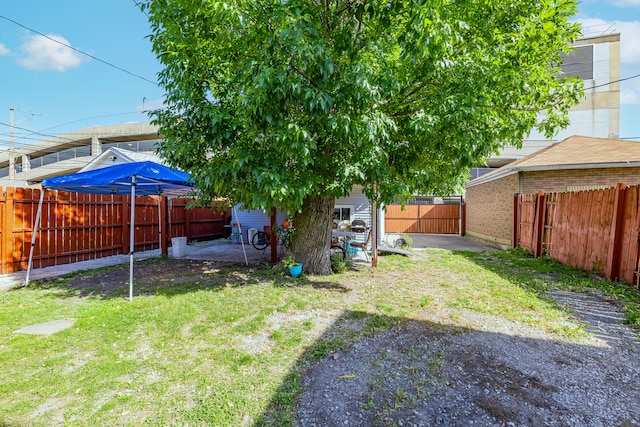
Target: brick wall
{"x":490,"y":210}
{"x":560,"y":180}
{"x":490,"y":205}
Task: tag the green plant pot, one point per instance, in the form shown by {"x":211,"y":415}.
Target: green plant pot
{"x":296,"y":270}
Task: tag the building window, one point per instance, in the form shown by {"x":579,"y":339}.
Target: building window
{"x":342,"y":213}
{"x":579,"y":62}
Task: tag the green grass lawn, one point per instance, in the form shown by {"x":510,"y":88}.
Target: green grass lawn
{"x":226,"y":348}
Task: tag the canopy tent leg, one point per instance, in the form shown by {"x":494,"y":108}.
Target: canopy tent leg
{"x":33,"y":236}
{"x":132,"y":232}
{"x":159,"y":224}
{"x":241,"y":238}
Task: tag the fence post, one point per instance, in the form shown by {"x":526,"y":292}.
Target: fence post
{"x":463,"y":220}
{"x":612,"y":270}
{"x":126,"y":213}
{"x":164,"y":224}
{"x":538,"y":227}
{"x":2,"y":231}
{"x":515,"y":241}
{"x":274,"y":237}
{"x":7,"y":234}
{"x":187,"y":223}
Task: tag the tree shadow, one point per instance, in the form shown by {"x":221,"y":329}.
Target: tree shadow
{"x":170,"y":277}
{"x":368,"y":370}
{"x":579,"y":293}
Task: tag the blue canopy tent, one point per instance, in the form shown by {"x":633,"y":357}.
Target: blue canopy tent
{"x":141,"y":178}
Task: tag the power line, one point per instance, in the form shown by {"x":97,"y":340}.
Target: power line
{"x":79,"y":51}
{"x":93,"y":117}
{"x":614,"y":81}
{"x":62,"y":140}
{"x":141,"y":7}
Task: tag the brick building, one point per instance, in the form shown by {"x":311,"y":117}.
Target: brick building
{"x":574,"y":164}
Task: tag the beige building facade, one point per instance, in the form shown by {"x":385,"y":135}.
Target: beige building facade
{"x":596,"y":60}
{"x":71,"y":152}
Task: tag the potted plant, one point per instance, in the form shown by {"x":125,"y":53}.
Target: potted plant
{"x":295,"y":268}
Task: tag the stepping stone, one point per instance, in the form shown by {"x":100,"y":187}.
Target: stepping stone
{"x":47,"y":328}
{"x":186,"y":279}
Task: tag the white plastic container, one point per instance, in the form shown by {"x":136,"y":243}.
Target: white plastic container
{"x":179,"y":246}
{"x":250,"y":233}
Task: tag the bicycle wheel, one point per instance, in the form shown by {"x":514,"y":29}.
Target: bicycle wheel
{"x":337,"y":251}
{"x":399,"y":243}
{"x":259,"y":240}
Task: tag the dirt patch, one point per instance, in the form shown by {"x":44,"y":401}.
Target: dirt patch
{"x":149,"y":275}
{"x":491,"y":373}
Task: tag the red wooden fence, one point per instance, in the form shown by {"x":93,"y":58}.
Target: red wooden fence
{"x":79,"y":227}
{"x":594,"y":230}
{"x":433,"y":219}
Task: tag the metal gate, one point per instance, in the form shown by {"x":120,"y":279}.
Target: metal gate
{"x":428,"y":215}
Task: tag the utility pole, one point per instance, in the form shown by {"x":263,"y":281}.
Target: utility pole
{"x":12,"y":153}
{"x":12,"y":168}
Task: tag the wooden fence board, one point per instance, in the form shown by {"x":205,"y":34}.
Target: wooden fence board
{"x":423,"y":218}
{"x":588,"y":215}
{"x":629,"y":253}
{"x":606,"y":223}
{"x":550,"y":221}
{"x":525,"y":227}
{"x":573,"y":236}
{"x":78,"y":227}
{"x":579,"y":230}
{"x":593,"y":258}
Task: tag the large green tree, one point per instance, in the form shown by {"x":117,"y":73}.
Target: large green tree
{"x":291,"y":103}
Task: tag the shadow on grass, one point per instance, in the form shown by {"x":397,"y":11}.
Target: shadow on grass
{"x":585,"y":294}
{"x":170,"y":277}
{"x":375,"y":370}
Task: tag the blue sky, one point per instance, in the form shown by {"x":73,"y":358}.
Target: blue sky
{"x":54,"y":90}
{"x":621,"y":16}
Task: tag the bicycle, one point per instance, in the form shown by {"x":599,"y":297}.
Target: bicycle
{"x":393,"y":240}
{"x":262,"y":239}
{"x":337,"y":250}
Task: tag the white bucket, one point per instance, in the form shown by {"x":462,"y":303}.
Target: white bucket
{"x":179,"y":246}
{"x":250,"y":233}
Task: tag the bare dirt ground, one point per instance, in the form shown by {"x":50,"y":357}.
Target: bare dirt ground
{"x":484,"y":370}
{"x":490,"y":373}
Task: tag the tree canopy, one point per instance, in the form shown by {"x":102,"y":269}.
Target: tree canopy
{"x":290,"y":102}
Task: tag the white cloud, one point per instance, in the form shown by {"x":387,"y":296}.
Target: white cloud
{"x":625,"y":3}
{"x":150,"y":105}
{"x":630,"y":91}
{"x":47,"y":53}
{"x":629,"y":42}
{"x":629,"y":52}
{"x":4,"y":50}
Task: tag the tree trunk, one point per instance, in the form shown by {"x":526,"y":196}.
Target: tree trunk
{"x":312,"y":236}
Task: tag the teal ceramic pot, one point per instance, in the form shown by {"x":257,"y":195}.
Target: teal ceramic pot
{"x":296,"y":270}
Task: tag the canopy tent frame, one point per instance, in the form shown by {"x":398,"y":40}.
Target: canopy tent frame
{"x":141,"y":178}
